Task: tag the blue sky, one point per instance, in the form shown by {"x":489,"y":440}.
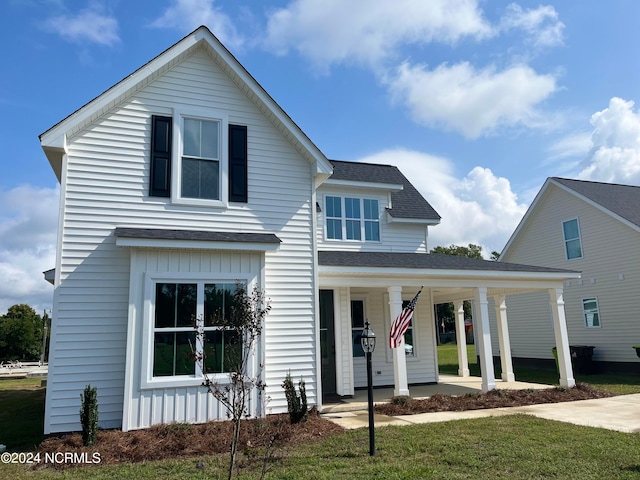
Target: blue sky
{"x":478,"y":102}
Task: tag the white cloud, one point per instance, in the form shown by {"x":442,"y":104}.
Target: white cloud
{"x":473,"y":102}
{"x":187,"y":15}
{"x":369,"y":31}
{"x":615,"y":153}
{"x":480,"y":208}
{"x":28,"y":225}
{"x":88,"y":25}
{"x":541,"y":24}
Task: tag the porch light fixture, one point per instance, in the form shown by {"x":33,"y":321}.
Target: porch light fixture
{"x":368,"y":342}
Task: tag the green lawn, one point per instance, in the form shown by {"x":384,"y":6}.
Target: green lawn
{"x":510,"y":447}
{"x":616,"y":384}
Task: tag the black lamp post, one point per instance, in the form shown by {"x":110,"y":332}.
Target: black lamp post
{"x":368,"y":342}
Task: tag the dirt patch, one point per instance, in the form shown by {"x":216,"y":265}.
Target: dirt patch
{"x":491,"y":399}
{"x":180,"y":440}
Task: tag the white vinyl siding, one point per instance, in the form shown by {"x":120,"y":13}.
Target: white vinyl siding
{"x":106,"y":185}
{"x":611,"y":274}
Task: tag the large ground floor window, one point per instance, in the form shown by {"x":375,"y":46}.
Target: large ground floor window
{"x":183,"y":309}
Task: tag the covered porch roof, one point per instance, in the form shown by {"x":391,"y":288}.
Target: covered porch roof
{"x":451,"y":277}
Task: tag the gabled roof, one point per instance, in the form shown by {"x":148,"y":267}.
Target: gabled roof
{"x":53,"y":141}
{"x":407,"y":202}
{"x":620,"y":201}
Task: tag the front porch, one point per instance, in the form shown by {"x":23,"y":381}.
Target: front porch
{"x":448,"y":385}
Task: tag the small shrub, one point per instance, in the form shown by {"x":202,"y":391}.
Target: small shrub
{"x":296,"y":403}
{"x":89,"y":415}
{"x":403,"y":400}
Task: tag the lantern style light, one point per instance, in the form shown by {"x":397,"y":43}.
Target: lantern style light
{"x":368,"y":339}
{"x":368,"y":342}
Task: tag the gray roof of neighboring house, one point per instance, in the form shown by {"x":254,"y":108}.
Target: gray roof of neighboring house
{"x":425,"y":261}
{"x":407,"y":203}
{"x":623,"y":200}
{"x":199,"y":235}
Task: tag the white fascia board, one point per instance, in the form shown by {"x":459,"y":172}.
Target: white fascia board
{"x":392,"y":187}
{"x":431,"y":277}
{"x":417,"y":221}
{"x":195,"y":244}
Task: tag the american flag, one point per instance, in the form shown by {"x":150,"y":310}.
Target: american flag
{"x":401,"y":323}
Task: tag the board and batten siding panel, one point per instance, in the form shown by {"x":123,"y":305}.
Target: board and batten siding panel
{"x":107,"y":184}
{"x":610,"y":269}
{"x":394,"y":237}
{"x":150,"y":406}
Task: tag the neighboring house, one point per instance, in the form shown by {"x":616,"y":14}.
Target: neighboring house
{"x":594,"y":228}
{"x":186,"y":177}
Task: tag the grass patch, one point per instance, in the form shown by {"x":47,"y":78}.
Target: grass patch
{"x":21,"y":414}
{"x":615,"y":384}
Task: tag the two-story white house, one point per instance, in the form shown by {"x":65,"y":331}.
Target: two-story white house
{"x":187,"y":177}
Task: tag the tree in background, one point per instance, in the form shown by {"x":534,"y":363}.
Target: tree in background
{"x":21,"y":331}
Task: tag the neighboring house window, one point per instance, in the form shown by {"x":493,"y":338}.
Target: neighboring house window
{"x":572,"y":242}
{"x":180,"y":308}
{"x":591,"y":312}
{"x":205,"y":169}
{"x":409,"y":346}
{"x":357,"y":325}
{"x":360,"y":220}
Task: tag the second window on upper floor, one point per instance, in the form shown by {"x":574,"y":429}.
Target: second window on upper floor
{"x":572,"y":241}
{"x":352,"y":218}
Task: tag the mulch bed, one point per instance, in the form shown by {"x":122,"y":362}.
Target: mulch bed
{"x":491,"y":399}
{"x":182,"y":440}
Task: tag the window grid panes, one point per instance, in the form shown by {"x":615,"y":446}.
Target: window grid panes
{"x":360,"y":219}
{"x":571,"y":233}
{"x":176,"y":324}
{"x":200,"y":170}
{"x":409,"y":347}
{"x":591,"y":312}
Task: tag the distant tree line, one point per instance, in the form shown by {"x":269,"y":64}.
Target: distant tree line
{"x":21,"y":332}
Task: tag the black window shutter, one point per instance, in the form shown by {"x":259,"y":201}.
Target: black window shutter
{"x":160,"y":181}
{"x":238,"y":163}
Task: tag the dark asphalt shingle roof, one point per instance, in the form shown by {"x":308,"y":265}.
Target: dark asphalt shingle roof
{"x":623,"y":200}
{"x":197,"y":235}
{"x":407,"y":203}
{"x":424,"y":261}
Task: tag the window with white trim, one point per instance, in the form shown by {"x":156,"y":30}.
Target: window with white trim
{"x":352,"y":218}
{"x":200,"y":159}
{"x":409,"y":346}
{"x":181,"y":308}
{"x":357,"y":325}
{"x":591,"y":312}
{"x":572,"y":241}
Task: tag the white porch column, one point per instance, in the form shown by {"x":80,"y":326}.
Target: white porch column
{"x":399,"y":357}
{"x":503,"y":338}
{"x":562,"y":338}
{"x":484,"y":338}
{"x":463,"y":361}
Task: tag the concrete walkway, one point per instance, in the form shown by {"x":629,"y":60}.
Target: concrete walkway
{"x":621,"y":413}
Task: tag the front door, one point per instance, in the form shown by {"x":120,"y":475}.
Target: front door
{"x":327,"y":344}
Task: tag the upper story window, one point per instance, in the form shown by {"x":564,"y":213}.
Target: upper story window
{"x":352,"y":218}
{"x":200,"y":161}
{"x":591,"y":312}
{"x":572,"y":242}
{"x":205,"y":163}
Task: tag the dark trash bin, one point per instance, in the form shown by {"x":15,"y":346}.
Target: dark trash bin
{"x":582,"y":358}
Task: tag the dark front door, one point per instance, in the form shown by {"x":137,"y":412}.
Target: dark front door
{"x":327,"y":344}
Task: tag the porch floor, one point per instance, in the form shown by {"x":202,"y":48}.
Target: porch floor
{"x":448,"y":385}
